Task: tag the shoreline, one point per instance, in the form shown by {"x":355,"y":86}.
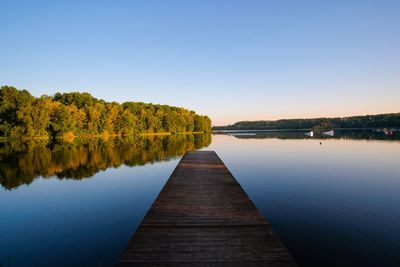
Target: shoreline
{"x":86,"y":136}
{"x":300,"y":130}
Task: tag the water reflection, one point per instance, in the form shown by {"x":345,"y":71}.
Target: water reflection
{"x":341,"y":134}
{"x":332,"y":201}
{"x":22,"y":162}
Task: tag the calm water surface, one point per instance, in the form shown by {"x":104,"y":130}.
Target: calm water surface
{"x":332,"y":201}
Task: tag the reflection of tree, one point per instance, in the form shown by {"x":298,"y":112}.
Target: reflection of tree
{"x":344,"y":134}
{"x":21,"y":163}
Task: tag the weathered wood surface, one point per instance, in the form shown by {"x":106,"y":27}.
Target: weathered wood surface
{"x":203,"y":217}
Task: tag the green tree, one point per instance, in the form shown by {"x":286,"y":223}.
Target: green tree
{"x":35,"y":118}
{"x":63,"y":122}
{"x":77,"y":114}
{"x":11,"y":101}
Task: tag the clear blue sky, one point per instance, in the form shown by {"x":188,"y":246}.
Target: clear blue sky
{"x":232,"y":60}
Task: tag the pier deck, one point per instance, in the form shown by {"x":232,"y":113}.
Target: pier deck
{"x":203,"y":217}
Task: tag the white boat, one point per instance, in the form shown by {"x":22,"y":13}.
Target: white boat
{"x":388,"y":131}
{"x":330,"y":133}
{"x":310,"y":133}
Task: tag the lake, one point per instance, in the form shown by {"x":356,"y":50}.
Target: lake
{"x":333,"y":201}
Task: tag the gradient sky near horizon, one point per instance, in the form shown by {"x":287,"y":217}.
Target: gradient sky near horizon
{"x":232,"y":60}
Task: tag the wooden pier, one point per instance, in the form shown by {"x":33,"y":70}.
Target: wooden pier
{"x":203,"y":217}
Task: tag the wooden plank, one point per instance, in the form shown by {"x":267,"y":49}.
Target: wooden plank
{"x":203,"y":217}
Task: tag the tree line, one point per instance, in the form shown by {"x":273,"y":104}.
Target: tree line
{"x":339,"y":134}
{"x":368,"y":121}
{"x":81,"y":114}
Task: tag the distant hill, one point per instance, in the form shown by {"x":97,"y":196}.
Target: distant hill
{"x":368,"y":121}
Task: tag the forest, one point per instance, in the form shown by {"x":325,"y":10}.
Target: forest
{"x":70,"y":115}
{"x":368,"y":121}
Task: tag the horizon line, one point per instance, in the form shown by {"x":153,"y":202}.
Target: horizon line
{"x":312,"y":118}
